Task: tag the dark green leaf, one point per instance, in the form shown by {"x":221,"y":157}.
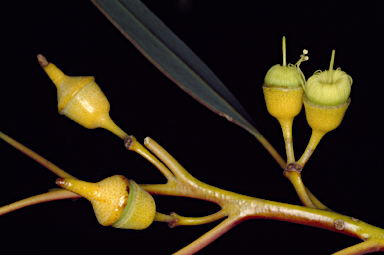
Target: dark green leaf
{"x":172,"y":57}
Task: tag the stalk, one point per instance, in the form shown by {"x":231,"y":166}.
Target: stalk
{"x":331,"y":67}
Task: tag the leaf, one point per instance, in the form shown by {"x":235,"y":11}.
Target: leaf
{"x":173,"y":58}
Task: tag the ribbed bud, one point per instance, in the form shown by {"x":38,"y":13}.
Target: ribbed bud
{"x":328,"y":88}
{"x":285,"y":76}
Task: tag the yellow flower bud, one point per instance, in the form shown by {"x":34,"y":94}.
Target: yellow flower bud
{"x":283,"y":102}
{"x":324,"y":118}
{"x":285,"y":76}
{"x":283,"y":94}
{"x":81,"y":99}
{"x":328,"y":88}
{"x":116,"y":201}
{"x":326,"y":100}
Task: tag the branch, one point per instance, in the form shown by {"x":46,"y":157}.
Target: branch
{"x":368,"y":246}
{"x":209,"y":237}
{"x":30,"y":153}
{"x":190,"y":221}
{"x":41,"y":198}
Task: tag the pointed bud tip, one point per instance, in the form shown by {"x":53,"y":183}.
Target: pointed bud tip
{"x":42,"y":60}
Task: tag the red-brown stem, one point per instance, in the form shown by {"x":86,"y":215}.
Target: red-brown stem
{"x":208,"y":237}
{"x":41,"y":198}
{"x":33,"y":155}
{"x":362,"y":248}
{"x":313,"y":217}
{"x":245,"y":207}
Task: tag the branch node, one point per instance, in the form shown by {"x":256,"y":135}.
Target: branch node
{"x":173,"y":224}
{"x":293,"y":167}
{"x":128,"y":141}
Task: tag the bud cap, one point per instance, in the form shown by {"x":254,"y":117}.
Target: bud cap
{"x":322,"y":92}
{"x":329,"y":88}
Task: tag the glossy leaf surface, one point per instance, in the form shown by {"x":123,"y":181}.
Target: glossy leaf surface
{"x":174,"y":58}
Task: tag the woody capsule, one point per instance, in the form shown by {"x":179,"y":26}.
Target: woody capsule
{"x":326,"y":100}
{"x":283,"y":93}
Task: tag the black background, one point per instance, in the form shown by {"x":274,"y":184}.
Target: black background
{"x":239,"y":42}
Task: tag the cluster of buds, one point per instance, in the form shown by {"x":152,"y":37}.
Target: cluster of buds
{"x":326,"y":100}
{"x":325,"y":96}
{"x":117,"y":201}
{"x":121,"y":203}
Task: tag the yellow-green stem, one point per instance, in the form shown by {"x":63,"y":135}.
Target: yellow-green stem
{"x":368,"y":246}
{"x":30,"y":153}
{"x":269,"y":148}
{"x":170,"y":219}
{"x":189,"y":221}
{"x":313,"y":142}
{"x":41,"y":198}
{"x":286,"y":127}
{"x":284,"y":52}
{"x":142,"y":151}
{"x":168,"y":160}
{"x":208,"y":237}
{"x":236,"y":206}
{"x":315,"y":201}
{"x":331,"y":66}
{"x":111,"y":126}
{"x":297,"y":182}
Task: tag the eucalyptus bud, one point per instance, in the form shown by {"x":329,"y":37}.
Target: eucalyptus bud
{"x":326,"y":100}
{"x":81,"y":99}
{"x":116,"y":201}
{"x":283,"y":93}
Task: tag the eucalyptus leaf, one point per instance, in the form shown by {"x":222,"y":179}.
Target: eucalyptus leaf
{"x":177,"y":61}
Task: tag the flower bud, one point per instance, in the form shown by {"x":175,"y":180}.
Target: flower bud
{"x":283,"y":90}
{"x":328,"y":88}
{"x":324,"y":118}
{"x":116,"y":201}
{"x":283,"y":94}
{"x":283,"y":102}
{"x":284,"y":76}
{"x":327,"y":98}
{"x":81,"y":99}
